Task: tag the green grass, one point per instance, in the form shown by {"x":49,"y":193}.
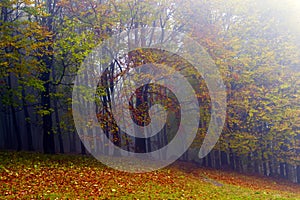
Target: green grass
{"x":37,"y":176}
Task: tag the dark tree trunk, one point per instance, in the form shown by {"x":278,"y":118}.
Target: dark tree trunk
{"x":15,"y":124}
{"x":249,"y":163}
{"x":287,"y":171}
{"x":7,"y":133}
{"x":148,"y":145}
{"x":237,"y":163}
{"x":282,"y":170}
{"x":73,"y":142}
{"x":48,"y":136}
{"x":217,"y":159}
{"x":140,"y":106}
{"x":105,"y":119}
{"x":256,"y":166}
{"x":57,"y":121}
{"x":16,"y":128}
{"x":209,"y":163}
{"x":83,"y":151}
{"x":27,"y":122}
{"x":271,"y":168}
{"x":204,"y":162}
{"x":298,"y":174}
{"x":108,"y":121}
{"x":224,"y":161}
{"x":256,"y":163}
{"x":72,"y":147}
{"x":140,"y":145}
{"x":165,"y":142}
{"x":265,"y":168}
{"x":264,"y":164}
{"x":47,"y":58}
{"x":110,"y":93}
{"x":231,"y":159}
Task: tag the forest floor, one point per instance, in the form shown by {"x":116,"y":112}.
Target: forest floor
{"x":37,"y":176}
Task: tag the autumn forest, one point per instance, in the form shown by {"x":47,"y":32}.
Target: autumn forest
{"x":44,"y":45}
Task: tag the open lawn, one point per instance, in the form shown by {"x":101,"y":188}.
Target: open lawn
{"x":38,"y":176}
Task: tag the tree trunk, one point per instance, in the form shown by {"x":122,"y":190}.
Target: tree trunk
{"x":204,"y":160}
{"x":265,"y":168}
{"x":237,"y":163}
{"x":27,"y":121}
{"x":141,"y":100}
{"x":224,"y":159}
{"x":249,"y":163}
{"x":282,"y":170}
{"x":218,"y":159}
{"x":209,"y":163}
{"x":256,"y":163}
{"x":14,"y":118}
{"x":8,"y":134}
{"x":48,"y":136}
{"x":271,"y":172}
{"x":287,"y":171}
{"x":57,"y":121}
{"x":83,"y":151}
{"x":231,"y":159}
{"x":16,"y":128}
{"x":264,"y":164}
{"x":298,"y":174}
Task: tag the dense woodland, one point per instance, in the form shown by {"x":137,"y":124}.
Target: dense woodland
{"x":44,"y":42}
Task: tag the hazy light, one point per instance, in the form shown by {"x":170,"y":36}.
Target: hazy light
{"x":288,"y":11}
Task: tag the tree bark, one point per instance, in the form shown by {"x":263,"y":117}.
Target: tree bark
{"x":27,"y":121}
{"x":14,"y":118}
{"x":231,"y":159}
{"x":282,"y":170}
{"x":298,"y":174}
{"x":47,"y":58}
{"x":224,"y":160}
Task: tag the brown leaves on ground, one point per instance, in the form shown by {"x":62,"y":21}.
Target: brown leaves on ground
{"x":38,"y":176}
{"x":253,"y":181}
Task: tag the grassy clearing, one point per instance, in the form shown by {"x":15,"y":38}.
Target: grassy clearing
{"x":37,"y":176}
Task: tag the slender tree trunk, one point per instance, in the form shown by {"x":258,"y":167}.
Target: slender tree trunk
{"x":57,"y":121}
{"x":204,"y":160}
{"x":113,"y":124}
{"x":16,"y":128}
{"x":256,"y":163}
{"x":209,"y":161}
{"x":249,"y":163}
{"x":287,"y":171}
{"x":8,"y":133}
{"x":5,"y":131}
{"x":231,"y":159}
{"x":265,"y":168}
{"x":224,"y":159}
{"x":237,"y":163}
{"x":14,"y":118}
{"x":298,"y":174}
{"x":83,"y":151}
{"x":48,"y":136}
{"x":71,"y":142}
{"x":141,"y":109}
{"x":282,"y":170}
{"x":218,"y":159}
{"x":47,"y":58}
{"x":271,"y":173}
{"x":27,"y":121}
